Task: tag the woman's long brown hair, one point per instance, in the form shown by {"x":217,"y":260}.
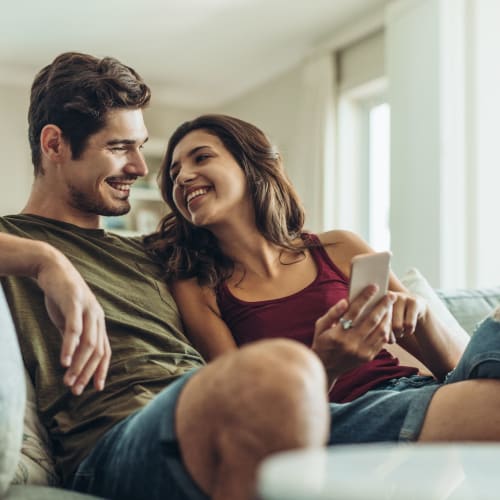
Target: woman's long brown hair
{"x":188,"y":251}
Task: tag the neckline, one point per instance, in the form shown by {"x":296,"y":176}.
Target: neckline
{"x":60,"y":223}
{"x":317,"y":264}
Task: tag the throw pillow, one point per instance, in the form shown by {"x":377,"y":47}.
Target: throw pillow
{"x":36,"y":465}
{"x":417,"y":284}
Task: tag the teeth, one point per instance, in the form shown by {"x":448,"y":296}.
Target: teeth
{"x":120,"y":187}
{"x":194,"y":194}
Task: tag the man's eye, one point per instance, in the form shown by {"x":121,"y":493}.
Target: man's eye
{"x":117,"y":149}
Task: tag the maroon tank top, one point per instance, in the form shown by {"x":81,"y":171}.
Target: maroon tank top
{"x":294,"y":317}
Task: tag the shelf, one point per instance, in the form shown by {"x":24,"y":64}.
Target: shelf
{"x":145,"y":193}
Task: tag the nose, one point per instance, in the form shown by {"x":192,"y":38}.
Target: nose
{"x":137,"y":165}
{"x":185,"y":176}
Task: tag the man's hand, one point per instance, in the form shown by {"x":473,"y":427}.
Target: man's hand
{"x":342,"y":347}
{"x":79,"y":317}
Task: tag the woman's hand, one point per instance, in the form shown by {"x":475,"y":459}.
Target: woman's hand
{"x":406,"y":311}
{"x":344,"y":338}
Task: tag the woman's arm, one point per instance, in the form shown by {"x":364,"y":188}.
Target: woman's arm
{"x":202,"y":319}
{"x":420,"y":332}
{"x":417,"y":329}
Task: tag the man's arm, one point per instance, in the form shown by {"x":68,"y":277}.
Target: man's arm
{"x":71,"y":306}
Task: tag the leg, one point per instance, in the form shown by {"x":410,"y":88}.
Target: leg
{"x":266,"y":397}
{"x":467,"y":407}
{"x":464,"y":411}
{"x":481,"y":358}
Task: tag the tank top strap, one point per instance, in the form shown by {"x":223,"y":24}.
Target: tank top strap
{"x":321,"y":257}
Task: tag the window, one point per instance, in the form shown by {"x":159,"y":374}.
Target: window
{"x":379,"y":175}
{"x":362,"y":178}
{"x":363,"y":181}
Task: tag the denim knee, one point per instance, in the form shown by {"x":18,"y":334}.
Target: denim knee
{"x":481,"y":358}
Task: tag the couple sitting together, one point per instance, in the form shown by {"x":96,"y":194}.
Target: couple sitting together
{"x":145,"y":396}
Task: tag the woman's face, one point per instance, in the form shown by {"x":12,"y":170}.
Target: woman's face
{"x":209,"y":186}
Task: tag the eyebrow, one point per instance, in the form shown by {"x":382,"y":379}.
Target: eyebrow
{"x":191,"y":153}
{"x":128,"y":142}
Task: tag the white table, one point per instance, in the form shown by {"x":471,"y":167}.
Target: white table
{"x":383,"y":472}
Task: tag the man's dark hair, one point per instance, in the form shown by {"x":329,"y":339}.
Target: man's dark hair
{"x":75,"y":92}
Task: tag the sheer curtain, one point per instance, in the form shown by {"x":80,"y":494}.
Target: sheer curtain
{"x":312,"y":166}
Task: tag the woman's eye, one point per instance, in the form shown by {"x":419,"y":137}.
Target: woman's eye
{"x":201,"y":158}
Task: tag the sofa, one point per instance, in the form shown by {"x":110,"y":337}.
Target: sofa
{"x":26,"y":466}
{"x":24,"y":445}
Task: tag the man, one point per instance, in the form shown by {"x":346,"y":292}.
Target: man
{"x":159,"y":424}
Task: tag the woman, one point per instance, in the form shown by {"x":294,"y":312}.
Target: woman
{"x":241,"y":267}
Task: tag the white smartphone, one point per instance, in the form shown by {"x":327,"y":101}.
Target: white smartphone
{"x":367,"y":269}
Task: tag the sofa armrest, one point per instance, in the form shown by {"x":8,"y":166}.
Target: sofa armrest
{"x":12,"y":397}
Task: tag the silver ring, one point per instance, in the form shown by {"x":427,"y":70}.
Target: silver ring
{"x":346,"y":323}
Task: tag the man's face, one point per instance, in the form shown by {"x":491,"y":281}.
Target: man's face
{"x":99,"y":181}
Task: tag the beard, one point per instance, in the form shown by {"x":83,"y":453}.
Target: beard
{"x":83,"y":202}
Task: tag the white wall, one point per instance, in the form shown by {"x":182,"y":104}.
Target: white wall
{"x":483,"y":142}
{"x":162,"y":119}
{"x":273,"y":108}
{"x":443,"y":90}
{"x":413,"y":58}
{"x":15,"y":162}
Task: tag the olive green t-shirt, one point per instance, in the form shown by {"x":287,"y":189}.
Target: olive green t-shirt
{"x":149,"y":348}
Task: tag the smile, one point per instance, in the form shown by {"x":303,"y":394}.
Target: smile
{"x":197,"y":192}
{"x":124,"y":187}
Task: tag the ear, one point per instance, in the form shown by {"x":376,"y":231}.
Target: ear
{"x":53,"y":145}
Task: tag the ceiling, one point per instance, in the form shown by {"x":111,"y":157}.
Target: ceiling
{"x":192,"y":52}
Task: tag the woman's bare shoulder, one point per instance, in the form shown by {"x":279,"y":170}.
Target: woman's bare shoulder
{"x":344,"y":238}
{"x":341,"y":246}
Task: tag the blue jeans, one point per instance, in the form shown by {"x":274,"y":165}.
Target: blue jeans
{"x":139,"y":458}
{"x":395,"y":410}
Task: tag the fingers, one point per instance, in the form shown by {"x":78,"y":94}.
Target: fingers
{"x":405,"y":315}
{"x":379,"y":333}
{"x":91,"y":356}
{"x":331,"y":317}
{"x":75,"y":376}
{"x":71,"y":337}
{"x":358,"y":305}
{"x":377,"y":323}
{"x":102,"y":369}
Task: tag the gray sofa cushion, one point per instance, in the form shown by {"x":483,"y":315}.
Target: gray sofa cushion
{"x":469,"y":306}
{"x":12,"y":397}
